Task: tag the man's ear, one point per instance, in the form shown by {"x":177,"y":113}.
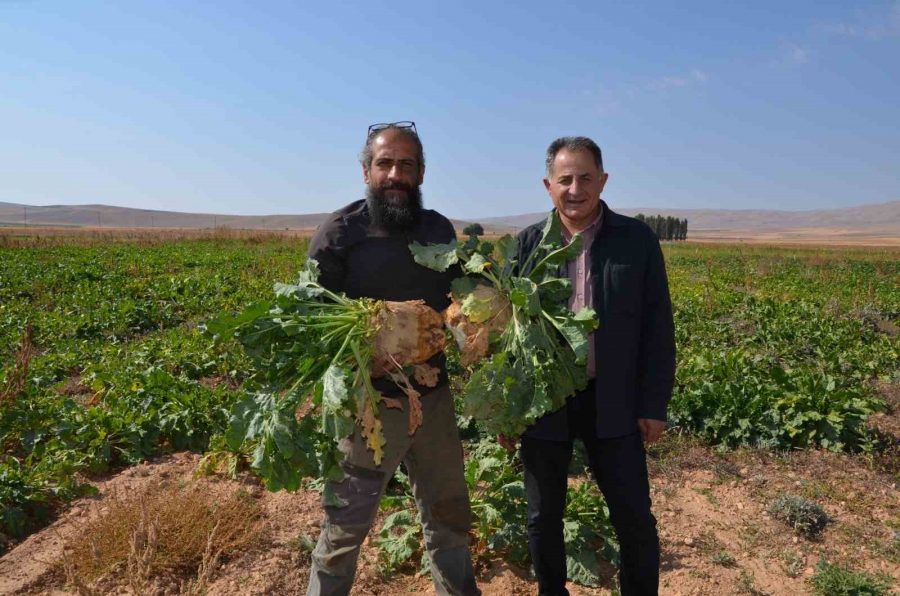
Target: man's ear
{"x":547,"y":184}
{"x":603,"y":180}
{"x":421,"y":174}
{"x":366,"y":174}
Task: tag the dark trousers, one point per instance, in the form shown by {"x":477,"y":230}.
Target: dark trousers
{"x":619,"y":466}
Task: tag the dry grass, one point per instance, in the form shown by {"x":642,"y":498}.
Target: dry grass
{"x":15,"y":381}
{"x":50,"y":236}
{"x":165,"y":531}
{"x":43,"y":236}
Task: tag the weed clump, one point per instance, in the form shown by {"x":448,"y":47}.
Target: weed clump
{"x":723,"y":558}
{"x":804,"y":516}
{"x":165,"y":530}
{"x":837,"y":580}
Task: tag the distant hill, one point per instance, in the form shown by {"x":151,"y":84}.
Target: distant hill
{"x":883,"y":218}
{"x":106,"y":216}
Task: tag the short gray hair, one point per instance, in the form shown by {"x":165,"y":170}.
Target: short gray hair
{"x":365,"y":156}
{"x":573,"y":144}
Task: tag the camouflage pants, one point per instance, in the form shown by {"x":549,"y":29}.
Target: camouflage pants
{"x":434,"y":459}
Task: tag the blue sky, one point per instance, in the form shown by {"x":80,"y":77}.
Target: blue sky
{"x":262,"y":107}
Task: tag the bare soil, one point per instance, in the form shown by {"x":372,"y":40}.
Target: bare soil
{"x":716,"y":534}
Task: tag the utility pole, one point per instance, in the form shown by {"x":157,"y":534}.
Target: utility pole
{"x":25,"y":215}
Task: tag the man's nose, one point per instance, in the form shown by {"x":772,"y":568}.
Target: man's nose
{"x":394,"y":172}
{"x":574,"y":188}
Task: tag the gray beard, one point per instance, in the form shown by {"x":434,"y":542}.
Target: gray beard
{"x":391,"y":216}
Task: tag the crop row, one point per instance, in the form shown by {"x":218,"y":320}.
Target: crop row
{"x":776,"y":349}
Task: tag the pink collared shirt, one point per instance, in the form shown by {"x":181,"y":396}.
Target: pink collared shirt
{"x":580,"y":276}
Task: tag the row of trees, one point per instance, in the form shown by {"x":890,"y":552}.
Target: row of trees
{"x":666,"y":228}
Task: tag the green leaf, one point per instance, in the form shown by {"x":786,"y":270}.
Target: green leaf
{"x":435,"y":256}
{"x":552,"y":235}
{"x":485,"y":247}
{"x":225,"y":325}
{"x":525,"y":295}
{"x":587,"y":317}
{"x":310,"y":273}
{"x":482,"y":303}
{"x":297,"y":292}
{"x":284,"y":431}
{"x":337,"y":426}
{"x":399,"y":540}
{"x":477,"y":263}
{"x":307,"y":286}
{"x":507,"y":249}
{"x":557,"y":257}
{"x":335,"y":396}
{"x":575,"y":331}
{"x":462,"y":287}
{"x":582,"y":568}
{"x":239,"y":422}
{"x":555,"y":290}
{"x":337,"y":417}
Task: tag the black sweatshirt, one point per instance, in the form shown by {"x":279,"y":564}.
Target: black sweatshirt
{"x":362,"y":261}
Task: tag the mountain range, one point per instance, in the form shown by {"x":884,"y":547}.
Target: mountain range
{"x":881,"y":218}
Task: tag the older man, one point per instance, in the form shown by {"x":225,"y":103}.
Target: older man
{"x":362,"y":250}
{"x":631,"y":366}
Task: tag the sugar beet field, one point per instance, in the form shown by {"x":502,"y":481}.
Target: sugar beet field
{"x":779,"y":473}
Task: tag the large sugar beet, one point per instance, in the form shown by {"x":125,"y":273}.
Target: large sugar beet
{"x":489,"y":311}
{"x":407,"y":333}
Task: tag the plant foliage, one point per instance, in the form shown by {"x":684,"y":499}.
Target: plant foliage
{"x":538,"y":358}
{"x":804,"y":516}
{"x":831,"y":579}
{"x":311,"y":350}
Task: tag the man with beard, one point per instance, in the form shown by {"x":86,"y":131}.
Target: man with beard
{"x":363,"y":250}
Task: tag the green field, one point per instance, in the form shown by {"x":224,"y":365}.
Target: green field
{"x":777,"y":349}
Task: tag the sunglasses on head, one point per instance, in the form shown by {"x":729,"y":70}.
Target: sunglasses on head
{"x":382,"y":125}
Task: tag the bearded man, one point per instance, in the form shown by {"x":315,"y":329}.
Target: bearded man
{"x":363,"y":251}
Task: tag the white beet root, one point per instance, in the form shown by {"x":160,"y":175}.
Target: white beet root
{"x":473,"y":338}
{"x":408,"y":332}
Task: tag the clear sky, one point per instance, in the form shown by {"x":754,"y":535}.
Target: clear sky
{"x":262,"y":107}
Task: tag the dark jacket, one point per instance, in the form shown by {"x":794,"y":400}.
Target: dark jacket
{"x":635,"y":342}
{"x":362,"y":261}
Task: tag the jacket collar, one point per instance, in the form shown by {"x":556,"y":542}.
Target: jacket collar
{"x":610,"y":217}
